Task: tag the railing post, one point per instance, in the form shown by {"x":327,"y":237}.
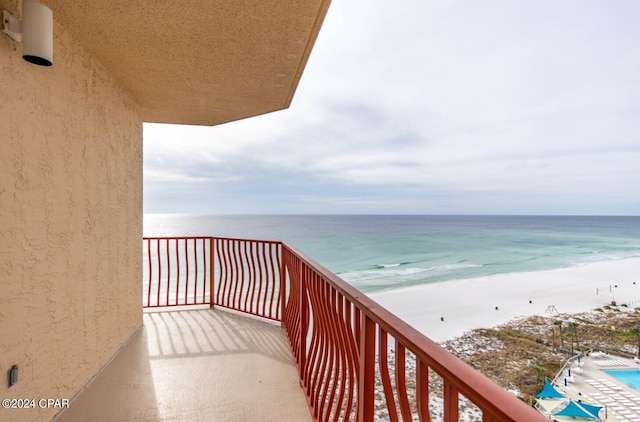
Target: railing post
{"x":367,"y":372}
{"x":211,"y":273}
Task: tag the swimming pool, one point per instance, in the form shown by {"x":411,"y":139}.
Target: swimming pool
{"x":631,"y":377}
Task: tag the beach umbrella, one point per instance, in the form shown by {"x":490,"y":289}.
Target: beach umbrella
{"x":549,"y":391}
{"x":594,"y":410}
{"x":548,"y":406}
{"x":579,"y":410}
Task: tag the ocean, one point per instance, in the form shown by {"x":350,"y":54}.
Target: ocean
{"x":378,"y":252}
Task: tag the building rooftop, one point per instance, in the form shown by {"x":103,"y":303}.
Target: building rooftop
{"x":197,"y":365}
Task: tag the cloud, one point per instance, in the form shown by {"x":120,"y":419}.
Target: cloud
{"x":432,"y":107}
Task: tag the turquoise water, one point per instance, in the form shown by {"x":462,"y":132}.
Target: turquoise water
{"x":631,"y":377}
{"x":375,"y":252}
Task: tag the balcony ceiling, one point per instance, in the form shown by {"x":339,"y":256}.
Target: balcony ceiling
{"x":201,"y":62}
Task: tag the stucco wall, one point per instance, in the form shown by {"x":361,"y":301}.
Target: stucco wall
{"x":70,"y":221}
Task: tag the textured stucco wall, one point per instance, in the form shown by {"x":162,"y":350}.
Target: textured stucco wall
{"x":70,"y":221}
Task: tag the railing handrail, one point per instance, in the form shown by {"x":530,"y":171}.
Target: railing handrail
{"x":567,"y":362}
{"x":470,"y":382}
{"x":237,"y":239}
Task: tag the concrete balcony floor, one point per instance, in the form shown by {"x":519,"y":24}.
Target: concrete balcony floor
{"x":196,"y":365}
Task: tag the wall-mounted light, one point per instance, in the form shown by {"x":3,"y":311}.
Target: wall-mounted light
{"x":35,"y":31}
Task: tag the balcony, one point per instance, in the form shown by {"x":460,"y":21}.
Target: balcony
{"x":255,"y":330}
{"x":197,"y":364}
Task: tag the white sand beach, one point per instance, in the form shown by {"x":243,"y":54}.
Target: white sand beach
{"x":471,"y":303}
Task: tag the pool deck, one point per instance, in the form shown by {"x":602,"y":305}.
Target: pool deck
{"x":589,"y":383}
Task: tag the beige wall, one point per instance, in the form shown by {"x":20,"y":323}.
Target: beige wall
{"x":70,"y":221}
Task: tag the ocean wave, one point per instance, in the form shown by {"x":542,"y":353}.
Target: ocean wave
{"x":386,"y":271}
{"x":456,"y":266}
{"x":603,"y":256}
{"x":391,"y":265}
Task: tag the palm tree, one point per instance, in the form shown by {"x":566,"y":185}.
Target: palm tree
{"x":553,"y":337}
{"x":559,"y":324}
{"x":574,"y":327}
{"x":571,"y":336}
{"x":540,"y":371}
{"x":635,"y":331}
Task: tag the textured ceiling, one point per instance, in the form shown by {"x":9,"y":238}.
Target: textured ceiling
{"x":201,"y":62}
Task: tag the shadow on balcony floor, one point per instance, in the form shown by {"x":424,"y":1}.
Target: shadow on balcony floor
{"x":197,"y":365}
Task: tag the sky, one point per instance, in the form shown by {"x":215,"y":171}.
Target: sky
{"x":430,"y":107}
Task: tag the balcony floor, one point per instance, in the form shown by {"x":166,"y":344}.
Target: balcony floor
{"x":197,"y":365}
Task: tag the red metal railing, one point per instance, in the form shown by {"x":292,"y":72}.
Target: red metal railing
{"x":248,"y":279}
{"x":356,"y":360}
{"x":177,"y":271}
{"x":243,"y":275}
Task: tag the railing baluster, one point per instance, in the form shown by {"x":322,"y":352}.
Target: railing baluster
{"x":313,"y":326}
{"x":203,"y":285}
{"x":252,"y":278}
{"x":384,"y":374}
{"x":226,"y":255}
{"x":224,"y":298}
{"x":401,"y":382}
{"x":335,"y":366}
{"x":262,"y":282}
{"x":159,"y":271}
{"x":272,"y":280}
{"x":240,"y":269}
{"x":235,"y":275}
{"x":177,"y":272}
{"x":282,"y":299}
{"x":195,"y":264}
{"x":450,"y":402}
{"x":422,"y":390}
{"x":245,"y":275}
{"x":340,"y":387}
{"x":316,"y":371}
{"x":367,"y":379}
{"x":352,"y":355}
{"x":212,"y":272}
{"x":304,"y":323}
{"x":148,"y":241}
{"x":328,"y":349}
{"x":166,"y":295}
{"x":186,"y":261}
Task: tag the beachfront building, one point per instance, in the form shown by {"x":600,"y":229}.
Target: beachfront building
{"x":71,"y":197}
